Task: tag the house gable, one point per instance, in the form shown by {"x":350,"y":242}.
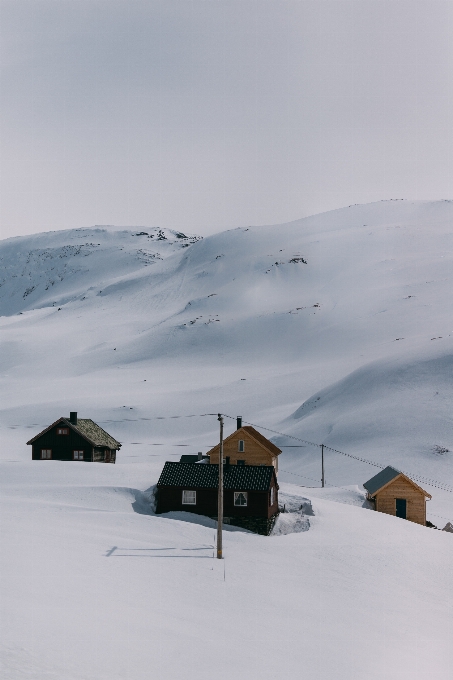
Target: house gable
{"x":257,"y":449}
{"x":63,"y":422}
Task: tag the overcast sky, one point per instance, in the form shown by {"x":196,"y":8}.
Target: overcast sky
{"x":207,"y":115}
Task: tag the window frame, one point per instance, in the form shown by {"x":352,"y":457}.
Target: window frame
{"x":241,"y":445}
{"x":78,"y":451}
{"x":49,"y":457}
{"x":62,"y":431}
{"x":236,"y":495}
{"x":272,"y":496}
{"x":184,"y":500}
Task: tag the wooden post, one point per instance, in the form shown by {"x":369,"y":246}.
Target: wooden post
{"x":220,"y":494}
{"x":322,"y":465}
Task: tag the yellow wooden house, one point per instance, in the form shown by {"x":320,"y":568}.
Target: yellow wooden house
{"x":394,"y":493}
{"x":246,"y":446}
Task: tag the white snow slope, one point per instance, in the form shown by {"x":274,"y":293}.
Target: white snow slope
{"x":333,"y":329}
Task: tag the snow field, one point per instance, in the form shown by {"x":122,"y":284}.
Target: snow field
{"x":333,"y":329}
{"x":92,"y":589}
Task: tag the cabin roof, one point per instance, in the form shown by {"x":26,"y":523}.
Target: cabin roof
{"x":86,"y":427}
{"x":261,"y":439}
{"x":244,"y":477}
{"x":381,"y":479}
{"x":386,"y":476}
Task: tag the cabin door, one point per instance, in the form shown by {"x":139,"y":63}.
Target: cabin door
{"x":401,"y":508}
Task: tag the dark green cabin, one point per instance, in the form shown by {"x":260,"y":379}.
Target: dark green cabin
{"x":78,"y":439}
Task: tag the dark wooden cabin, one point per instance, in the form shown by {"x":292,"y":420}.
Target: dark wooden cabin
{"x":250,"y":493}
{"x":74,"y":438}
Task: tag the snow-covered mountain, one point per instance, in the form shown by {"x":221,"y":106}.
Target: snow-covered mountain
{"x":63,"y":266}
{"x":334,"y":329}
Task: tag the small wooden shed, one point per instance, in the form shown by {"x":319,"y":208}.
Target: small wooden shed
{"x":394,"y":493}
{"x":246,"y":446}
{"x":250,"y":493}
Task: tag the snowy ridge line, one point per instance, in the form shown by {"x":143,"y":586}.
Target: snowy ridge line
{"x":424,"y":480}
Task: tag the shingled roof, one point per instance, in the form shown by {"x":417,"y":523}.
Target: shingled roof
{"x":243,"y":477}
{"x":90,"y":430}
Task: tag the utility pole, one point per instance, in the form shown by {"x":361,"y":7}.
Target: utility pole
{"x":322,"y":465}
{"x":220,"y":495}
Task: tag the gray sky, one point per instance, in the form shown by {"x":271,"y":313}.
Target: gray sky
{"x":207,"y":115}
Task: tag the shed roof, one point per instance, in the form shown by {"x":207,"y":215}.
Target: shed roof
{"x":88,"y":429}
{"x":381,"y":479}
{"x":244,"y":477}
{"x":386,"y":476}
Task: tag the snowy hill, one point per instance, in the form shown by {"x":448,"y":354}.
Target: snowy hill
{"x":62,"y":266}
{"x":334,"y":329}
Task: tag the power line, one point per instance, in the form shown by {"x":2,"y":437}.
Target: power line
{"x":424,"y":480}
{"x":135,"y":420}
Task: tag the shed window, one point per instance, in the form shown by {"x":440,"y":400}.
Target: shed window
{"x":189,"y":497}
{"x":241,"y":446}
{"x":240,"y":498}
{"x":241,"y":462}
{"x":46,"y":454}
{"x":78,"y":455}
{"x":272,"y":496}
{"x":63,"y":430}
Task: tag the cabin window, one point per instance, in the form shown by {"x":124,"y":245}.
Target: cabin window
{"x":240,"y":498}
{"x":241,"y":462}
{"x":189,"y":497}
{"x":241,"y":446}
{"x":62,"y":430}
{"x":78,"y":455}
{"x":272,"y":496}
{"x":46,"y":454}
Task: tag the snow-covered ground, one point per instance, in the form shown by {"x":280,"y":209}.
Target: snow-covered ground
{"x":94,"y":590}
{"x":333,"y":329}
